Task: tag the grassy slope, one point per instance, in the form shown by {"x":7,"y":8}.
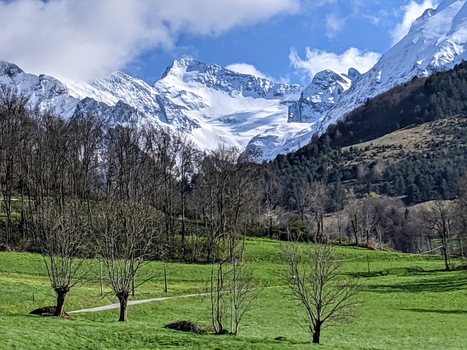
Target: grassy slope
{"x":414,"y":139}
{"x":406,"y":304}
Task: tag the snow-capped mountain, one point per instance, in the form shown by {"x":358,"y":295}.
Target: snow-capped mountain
{"x":226,"y":106}
{"x":209,"y":103}
{"x":214,"y":105}
{"x":321,"y":95}
{"x":436,"y":41}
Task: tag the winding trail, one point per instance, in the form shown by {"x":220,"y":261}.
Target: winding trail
{"x":135,"y":302}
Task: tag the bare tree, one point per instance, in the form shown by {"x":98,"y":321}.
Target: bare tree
{"x":124,"y":232}
{"x":217,"y":290}
{"x":242,"y":292}
{"x":186,"y":159}
{"x":461,"y":214}
{"x":317,"y":197}
{"x":315,"y":282}
{"x":13,"y":115}
{"x":225,"y":194}
{"x":440,"y":218}
{"x":62,"y":236}
{"x":123,"y":163}
{"x":232,"y":292}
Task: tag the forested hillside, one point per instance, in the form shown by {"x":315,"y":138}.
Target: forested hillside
{"x":421,"y":172}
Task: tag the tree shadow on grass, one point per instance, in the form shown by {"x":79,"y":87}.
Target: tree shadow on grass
{"x":396,"y":271}
{"x":441,"y":284}
{"x":448,"y":312}
{"x":285,"y":340}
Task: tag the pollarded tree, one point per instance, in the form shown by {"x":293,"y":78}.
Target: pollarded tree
{"x":125,"y":232}
{"x":316,"y":283}
{"x":62,"y":233}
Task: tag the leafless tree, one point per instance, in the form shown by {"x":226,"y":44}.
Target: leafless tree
{"x":63,"y":235}
{"x":13,"y":116}
{"x":242,"y":292}
{"x":167,"y":171}
{"x":364,"y":219}
{"x":317,"y":197}
{"x":83,"y":144}
{"x":218,"y":298}
{"x":124,"y":233}
{"x":315,"y":282}
{"x":187,"y":163}
{"x":232,"y":292}
{"x":440,"y":218}
{"x":123,"y":164}
{"x":460,"y":213}
{"x":225,"y":195}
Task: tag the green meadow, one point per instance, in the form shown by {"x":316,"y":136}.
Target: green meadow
{"x":407,"y":302}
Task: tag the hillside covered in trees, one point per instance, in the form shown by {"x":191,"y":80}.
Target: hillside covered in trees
{"x":421,"y":172}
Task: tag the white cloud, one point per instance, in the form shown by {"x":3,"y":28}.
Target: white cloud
{"x":334,"y":25}
{"x":85,"y":38}
{"x":411,"y":12}
{"x":245,"y":68}
{"x":317,"y":60}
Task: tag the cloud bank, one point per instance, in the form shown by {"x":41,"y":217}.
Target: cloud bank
{"x":317,"y":60}
{"x":82,"y":39}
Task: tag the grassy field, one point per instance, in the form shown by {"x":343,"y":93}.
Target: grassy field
{"x":407,"y":303}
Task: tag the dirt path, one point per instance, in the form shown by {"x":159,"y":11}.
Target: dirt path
{"x":135,"y":302}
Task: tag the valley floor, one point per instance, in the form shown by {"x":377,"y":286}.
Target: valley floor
{"x":407,"y":302}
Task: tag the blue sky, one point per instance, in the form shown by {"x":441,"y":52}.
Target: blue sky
{"x":286,"y":40}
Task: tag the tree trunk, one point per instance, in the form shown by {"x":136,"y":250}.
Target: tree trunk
{"x":123,"y":299}
{"x":62,"y":293}
{"x":446,"y":258}
{"x":446,"y":250}
{"x":355,"y":230}
{"x":316,"y":333}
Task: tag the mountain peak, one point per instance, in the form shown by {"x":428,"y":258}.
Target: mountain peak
{"x":353,"y":74}
{"x":183,"y":65}
{"x":327,"y":77}
{"x":9,"y":69}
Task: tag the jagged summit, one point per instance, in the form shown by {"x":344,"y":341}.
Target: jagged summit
{"x":353,"y":74}
{"x":188,"y":71}
{"x":9,"y":69}
{"x":321,"y":95}
{"x":179,"y":66}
